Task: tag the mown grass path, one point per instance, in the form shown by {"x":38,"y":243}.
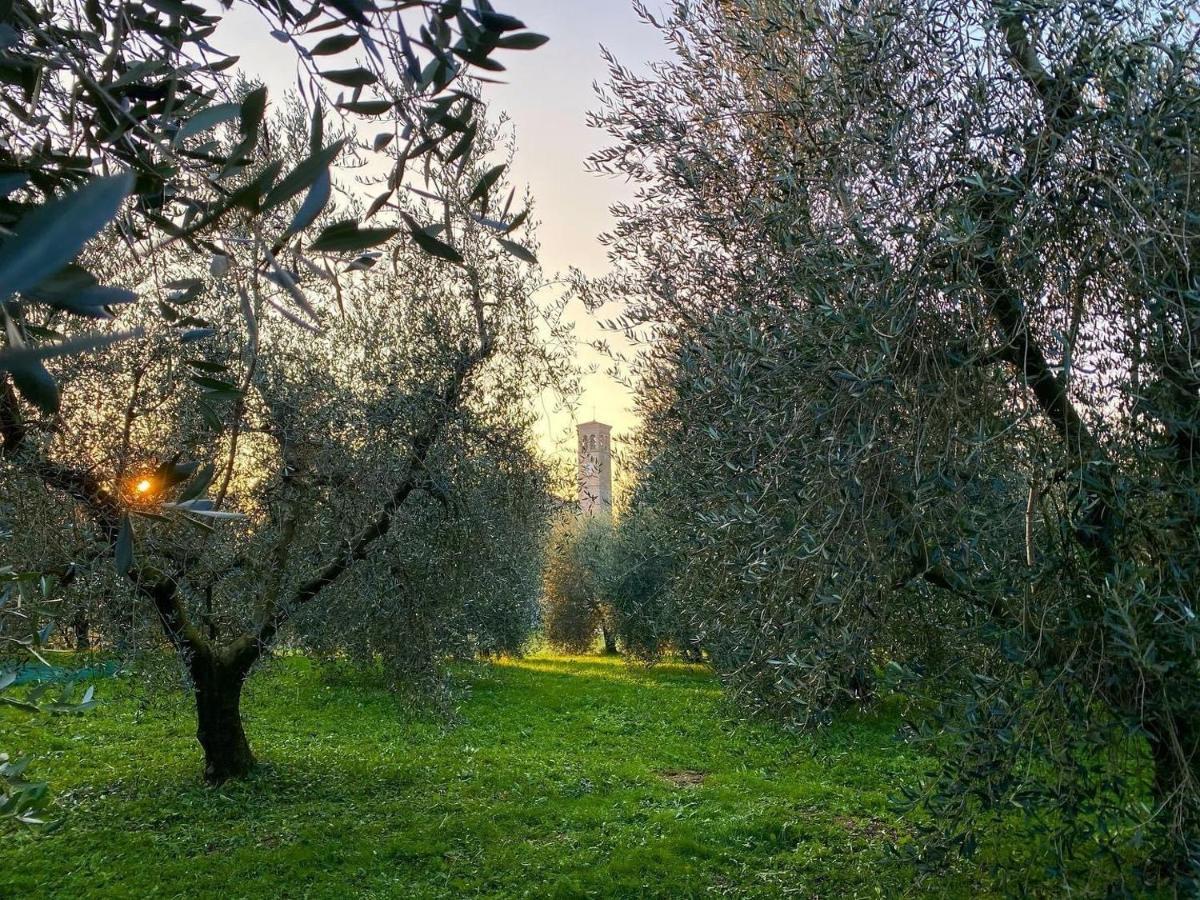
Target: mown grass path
{"x":559,"y":777}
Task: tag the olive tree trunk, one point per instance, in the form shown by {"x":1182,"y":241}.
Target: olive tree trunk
{"x":610,"y":640}
{"x":1175,"y":771}
{"x":217,"y":684}
{"x":83,"y":635}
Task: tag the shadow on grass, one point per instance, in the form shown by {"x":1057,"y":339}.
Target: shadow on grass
{"x":549,"y":783}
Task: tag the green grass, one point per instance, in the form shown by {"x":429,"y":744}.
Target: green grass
{"x":557,"y":777}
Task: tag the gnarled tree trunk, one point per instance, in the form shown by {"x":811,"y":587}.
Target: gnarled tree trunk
{"x":217,"y":683}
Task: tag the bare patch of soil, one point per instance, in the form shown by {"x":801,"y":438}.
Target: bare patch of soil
{"x":683,"y":777}
{"x":868,"y":828}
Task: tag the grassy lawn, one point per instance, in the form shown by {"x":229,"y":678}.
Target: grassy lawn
{"x":558,"y":777}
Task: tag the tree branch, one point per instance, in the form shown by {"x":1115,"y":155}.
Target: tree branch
{"x":104,"y":510}
{"x":250,"y":646}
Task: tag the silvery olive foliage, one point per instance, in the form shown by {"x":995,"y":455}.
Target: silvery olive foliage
{"x":919,"y":385}
{"x":576,"y":605}
{"x":649,"y":618}
{"x":105,"y":101}
{"x":460,"y":581}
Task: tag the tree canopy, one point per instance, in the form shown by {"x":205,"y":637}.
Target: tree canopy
{"x":919,"y":398}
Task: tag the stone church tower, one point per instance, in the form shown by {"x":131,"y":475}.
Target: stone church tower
{"x":595,"y":467}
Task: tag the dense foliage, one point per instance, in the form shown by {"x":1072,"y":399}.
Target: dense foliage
{"x":131,"y":91}
{"x":461,"y":580}
{"x":920,"y":389}
{"x":648,"y":616}
{"x":576,"y":603}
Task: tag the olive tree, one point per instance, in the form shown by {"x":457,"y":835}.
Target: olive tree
{"x":107,"y":101}
{"x":649,"y":619}
{"x":920,"y":395}
{"x":576,"y":605}
{"x":257,"y":466}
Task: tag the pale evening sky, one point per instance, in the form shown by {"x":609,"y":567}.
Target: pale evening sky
{"x":547,"y":96}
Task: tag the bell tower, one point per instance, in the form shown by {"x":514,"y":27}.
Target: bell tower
{"x":595,"y":467}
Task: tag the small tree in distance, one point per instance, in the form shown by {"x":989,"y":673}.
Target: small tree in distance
{"x":650,"y":619}
{"x":576,"y":606}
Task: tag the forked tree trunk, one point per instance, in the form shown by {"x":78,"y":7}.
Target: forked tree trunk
{"x":217,"y":684}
